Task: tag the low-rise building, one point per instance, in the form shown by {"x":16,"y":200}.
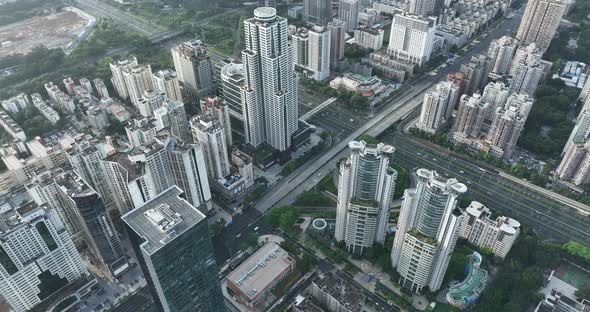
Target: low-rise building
{"x":337,"y":294}
{"x":253,"y":279}
{"x":479,"y":229}
{"x":462,"y":294}
{"x":11,"y":127}
{"x":365,"y":86}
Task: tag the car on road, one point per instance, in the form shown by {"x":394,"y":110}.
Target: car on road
{"x":461,"y":171}
{"x":256,"y":228}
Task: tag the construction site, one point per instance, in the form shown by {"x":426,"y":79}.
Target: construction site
{"x":60,"y":30}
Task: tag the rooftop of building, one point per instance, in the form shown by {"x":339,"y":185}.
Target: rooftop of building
{"x":73,"y":184}
{"x":261,"y":269}
{"x":303,"y":304}
{"x":348,"y":294}
{"x":134,"y":169}
{"x":162,"y":219}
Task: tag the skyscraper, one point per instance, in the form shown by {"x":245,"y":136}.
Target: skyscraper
{"x":495,"y":94}
{"x":337,"y":37}
{"x":581,"y":131}
{"x":575,"y":165}
{"x":500,"y":52}
{"x":540,"y":21}
{"x":365,"y":191}
{"x":99,"y":233}
{"x":138,"y":79}
{"x":173,"y":114}
{"x":210,"y":133}
{"x":411,"y":38}
{"x":219,"y":110}
{"x":476,"y":71}
{"x":437,"y":106}
{"x":527,"y":70}
{"x":37,"y":257}
{"x":427,"y":231}
{"x":85,"y":159}
{"x":171,"y":240}
{"x":311,"y":51}
{"x":194,"y":69}
{"x":118,"y":80}
{"x":348,"y":12}
{"x":470,"y":117}
{"x":150,"y":100}
{"x":166,"y":81}
{"x":189,"y":172}
{"x":232,"y":79}
{"x":317,"y":12}
{"x":269,"y":93}
{"x":419,"y":7}
{"x":506,"y":127}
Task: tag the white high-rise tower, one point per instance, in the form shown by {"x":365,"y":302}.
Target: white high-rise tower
{"x":269,"y":94}
{"x":365,"y":191}
{"x":427,"y":230}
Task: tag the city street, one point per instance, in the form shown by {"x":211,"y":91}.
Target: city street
{"x":306,"y":177}
{"x":546,"y":215}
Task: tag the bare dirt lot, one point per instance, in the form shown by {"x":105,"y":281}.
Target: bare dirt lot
{"x":57,"y":30}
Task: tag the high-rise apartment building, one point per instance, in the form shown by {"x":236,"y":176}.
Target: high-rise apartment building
{"x":337,"y":36}
{"x":269,"y":93}
{"x":118,"y":80}
{"x":581,"y":131}
{"x":476,"y":72}
{"x":99,"y":232}
{"x":479,"y":229}
{"x":149,"y":101}
{"x":44,"y":191}
{"x":470,"y":117}
{"x":540,"y":21}
{"x":437,"y":106}
{"x":348,"y":12}
{"x":507,"y":124}
{"x":189,"y":172}
{"x":365,"y":192}
{"x":101,"y":88}
{"x":575,"y":165}
{"x":219,"y":110}
{"x":140,"y":131}
{"x":138,"y":79}
{"x":85,"y":157}
{"x":419,"y":7}
{"x":37,"y":257}
{"x":172,"y":114}
{"x":526,"y":70}
{"x":427,"y":231}
{"x":232,"y":79}
{"x":166,"y":81}
{"x":500,"y":52}
{"x":208,"y":131}
{"x":171,"y":240}
{"x":194,"y":68}
{"x":495,"y":94}
{"x":369,"y":38}
{"x":311,"y":51}
{"x":318,"y":12}
{"x":412,"y":38}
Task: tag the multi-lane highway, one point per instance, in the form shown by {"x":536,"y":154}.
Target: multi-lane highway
{"x":546,"y":215}
{"x":306,"y":177}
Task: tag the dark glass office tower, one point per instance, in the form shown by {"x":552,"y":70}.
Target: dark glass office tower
{"x":171,"y":240}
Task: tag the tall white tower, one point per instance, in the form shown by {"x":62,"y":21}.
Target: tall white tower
{"x":269,"y":94}
{"x":427,"y":230}
{"x":365,"y":191}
